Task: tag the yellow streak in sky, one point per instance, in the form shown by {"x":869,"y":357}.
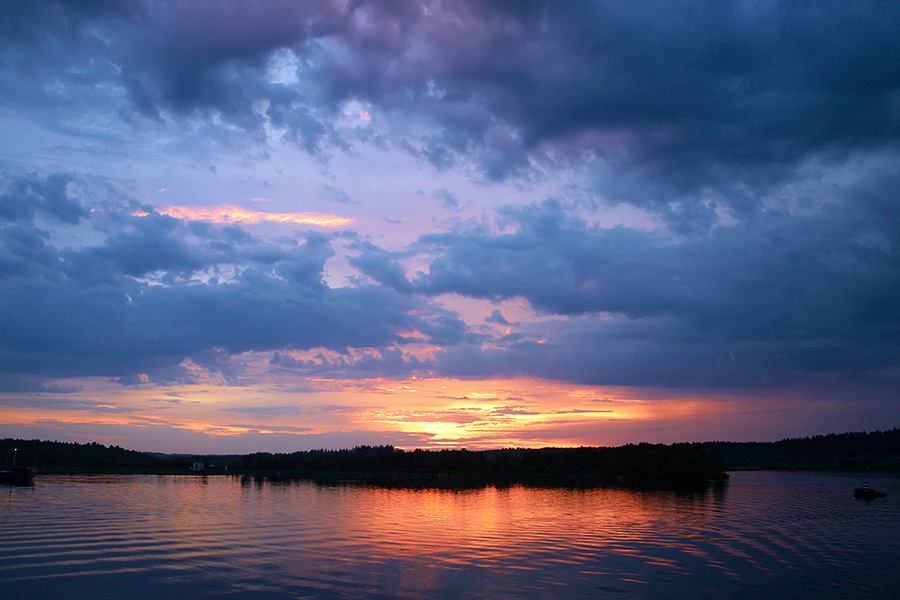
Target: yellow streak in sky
{"x":226,"y":213}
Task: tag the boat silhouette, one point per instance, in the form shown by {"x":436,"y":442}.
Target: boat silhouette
{"x":867,"y":493}
{"x":18,"y":476}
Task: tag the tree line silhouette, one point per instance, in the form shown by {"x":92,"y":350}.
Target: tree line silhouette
{"x":633,"y":465}
{"x":630,"y":465}
{"x":73,"y":454}
{"x":876,"y":450}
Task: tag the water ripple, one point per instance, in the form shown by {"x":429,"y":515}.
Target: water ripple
{"x":763,"y":534}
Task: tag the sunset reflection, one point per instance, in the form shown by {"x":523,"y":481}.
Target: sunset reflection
{"x":220,"y":536}
{"x":509,"y":527}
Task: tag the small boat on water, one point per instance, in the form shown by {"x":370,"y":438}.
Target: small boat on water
{"x":18,"y":476}
{"x":867,"y":493}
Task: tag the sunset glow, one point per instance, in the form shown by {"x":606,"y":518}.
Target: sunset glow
{"x":431,"y":224}
{"x":411,"y":413}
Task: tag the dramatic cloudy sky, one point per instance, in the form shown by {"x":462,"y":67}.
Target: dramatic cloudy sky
{"x":276,"y":225}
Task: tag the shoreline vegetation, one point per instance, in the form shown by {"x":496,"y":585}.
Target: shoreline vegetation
{"x":634,"y":465}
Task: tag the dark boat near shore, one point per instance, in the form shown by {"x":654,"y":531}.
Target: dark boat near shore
{"x":18,"y":476}
{"x":867,"y":493}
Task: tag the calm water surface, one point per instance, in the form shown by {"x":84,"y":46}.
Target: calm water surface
{"x":761,"y":535}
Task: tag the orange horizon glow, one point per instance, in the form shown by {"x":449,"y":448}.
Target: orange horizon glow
{"x":410,"y":413}
{"x":226,"y":213}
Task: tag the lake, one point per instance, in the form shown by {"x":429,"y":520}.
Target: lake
{"x":760,"y":535}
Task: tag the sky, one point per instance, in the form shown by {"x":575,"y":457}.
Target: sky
{"x":239,"y":226}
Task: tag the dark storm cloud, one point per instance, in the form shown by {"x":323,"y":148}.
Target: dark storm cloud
{"x":152,"y":243}
{"x":665,"y":102}
{"x":30,"y":195}
{"x":154,"y":291}
{"x":781,"y":296}
{"x":381,"y":266}
{"x":66,"y":328}
{"x":688,"y":110}
{"x":556,"y":263}
{"x":23,"y":247}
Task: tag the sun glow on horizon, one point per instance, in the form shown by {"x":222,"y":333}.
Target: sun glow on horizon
{"x":292,"y":412}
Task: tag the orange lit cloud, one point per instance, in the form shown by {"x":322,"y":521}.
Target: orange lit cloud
{"x":234,"y":214}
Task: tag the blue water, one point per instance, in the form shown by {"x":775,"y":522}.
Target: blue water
{"x":761,"y":535}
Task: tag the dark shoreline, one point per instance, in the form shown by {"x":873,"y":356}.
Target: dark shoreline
{"x":458,"y":481}
{"x":643,"y":466}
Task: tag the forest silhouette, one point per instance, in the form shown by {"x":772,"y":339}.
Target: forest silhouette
{"x":632,"y":465}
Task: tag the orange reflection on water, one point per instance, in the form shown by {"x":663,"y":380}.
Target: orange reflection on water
{"x":505,"y":527}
